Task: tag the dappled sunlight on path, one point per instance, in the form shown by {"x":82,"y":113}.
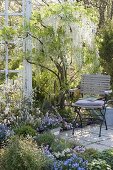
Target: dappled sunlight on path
{"x":88,"y":137}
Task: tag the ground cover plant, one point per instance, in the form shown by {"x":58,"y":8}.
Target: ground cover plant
{"x":23,"y":155}
{"x":107,"y":155}
{"x":25,"y":130}
{"x":98,"y":165}
{"x":26,"y":152}
{"x":5,"y":134}
{"x":68,"y":155}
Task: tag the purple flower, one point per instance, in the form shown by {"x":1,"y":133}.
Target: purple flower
{"x":74,"y":155}
{"x":79,"y":168}
{"x":75,"y":165}
{"x":80,"y":160}
{"x":66,"y":162}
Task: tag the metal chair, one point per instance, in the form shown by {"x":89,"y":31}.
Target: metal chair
{"x":94,"y":90}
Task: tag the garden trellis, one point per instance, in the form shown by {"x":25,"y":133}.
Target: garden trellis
{"x":9,"y":10}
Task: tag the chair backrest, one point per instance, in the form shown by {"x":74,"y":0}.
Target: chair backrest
{"x":94,"y":84}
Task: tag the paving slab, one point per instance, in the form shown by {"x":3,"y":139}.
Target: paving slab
{"x":108,"y":133}
{"x":88,"y":137}
{"x":108,"y":142}
{"x":98,"y":147}
{"x":80,"y":142}
{"x":92,"y":129}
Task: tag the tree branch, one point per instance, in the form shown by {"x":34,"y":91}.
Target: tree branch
{"x":48,"y":69}
{"x":45,"y":68}
{"x":35,"y":38}
{"x":43,"y":25}
{"x":74,"y":76}
{"x":45,"y":3}
{"x":59,"y":1}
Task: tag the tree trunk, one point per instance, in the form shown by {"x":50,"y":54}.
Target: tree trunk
{"x":102,"y":8}
{"x":86,"y":3}
{"x":111,"y":14}
{"x":63,"y":87}
{"x":61,"y":99}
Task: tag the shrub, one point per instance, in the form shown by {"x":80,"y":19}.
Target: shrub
{"x":2,"y":134}
{"x":45,"y":139}
{"x":99,"y":165}
{"x":106,"y":50}
{"x":107,"y":155}
{"x":5,"y":132}
{"x":73,"y":162}
{"x":90,"y":154}
{"x":25,"y":130}
{"x":60,"y":144}
{"x":68,"y":114}
{"x":23,"y":155}
{"x":1,"y":157}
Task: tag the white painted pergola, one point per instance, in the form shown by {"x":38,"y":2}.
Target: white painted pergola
{"x":25,"y":7}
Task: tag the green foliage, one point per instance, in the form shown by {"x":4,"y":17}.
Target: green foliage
{"x":106,"y":49}
{"x":52,"y":29}
{"x":99,"y":165}
{"x":23,"y":155}
{"x":25,"y":130}
{"x":57,"y":145}
{"x":99,"y":160}
{"x":52,"y":42}
{"x":60,"y":144}
{"x":7,"y":33}
{"x":2,"y":136}
{"x":11,"y":100}
{"x":67,"y":113}
{"x":44,"y":90}
{"x":107,"y":155}
{"x":94,"y":154}
{"x":91,"y":62}
{"x":45,"y":139}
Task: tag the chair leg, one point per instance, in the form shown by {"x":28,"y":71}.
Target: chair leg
{"x":80,"y":120}
{"x":100,"y":129}
{"x":106,"y":124}
{"x":74,"y":124}
{"x":77,"y":110}
{"x":80,"y":117}
{"x":104,"y":120}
